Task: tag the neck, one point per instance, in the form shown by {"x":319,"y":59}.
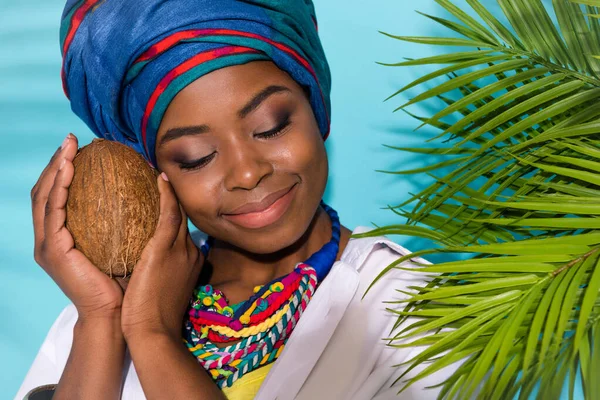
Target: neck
{"x":232,"y":265}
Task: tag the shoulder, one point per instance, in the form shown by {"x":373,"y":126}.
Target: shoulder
{"x":59,"y":339}
{"x":67,"y":318}
{"x":68,"y":314}
{"x":57,"y":344}
{"x":371,"y":255}
{"x":372,"y":364}
{"x":62,"y":328}
{"x":382,"y":269}
{"x":386,"y":271}
{"x":50,"y":361}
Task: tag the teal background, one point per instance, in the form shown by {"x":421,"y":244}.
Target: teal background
{"x":35,"y":116}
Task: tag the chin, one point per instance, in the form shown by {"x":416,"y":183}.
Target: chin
{"x":285,"y":233}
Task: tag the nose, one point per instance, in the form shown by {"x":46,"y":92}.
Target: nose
{"x":247,"y":166}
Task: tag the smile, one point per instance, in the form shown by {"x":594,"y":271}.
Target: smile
{"x":269,"y":214}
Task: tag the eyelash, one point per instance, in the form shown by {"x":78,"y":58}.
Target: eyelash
{"x":278,"y":130}
{"x":197,"y":164}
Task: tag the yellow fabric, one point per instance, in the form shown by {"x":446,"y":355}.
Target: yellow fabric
{"x":247,"y":386}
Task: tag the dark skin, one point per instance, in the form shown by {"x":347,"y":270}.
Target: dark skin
{"x":272,"y":145}
{"x":245,"y":165}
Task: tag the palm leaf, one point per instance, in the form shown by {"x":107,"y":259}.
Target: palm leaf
{"x":524,"y":309}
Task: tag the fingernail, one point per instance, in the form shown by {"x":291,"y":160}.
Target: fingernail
{"x":164,"y":176}
{"x":62,"y":163}
{"x":64,"y":143}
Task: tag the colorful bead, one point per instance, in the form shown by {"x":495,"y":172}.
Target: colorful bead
{"x":262,"y":304}
{"x":276,"y":287}
{"x":236,"y":325}
{"x":227,"y":311}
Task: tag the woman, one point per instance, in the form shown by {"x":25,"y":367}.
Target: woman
{"x":230,"y":101}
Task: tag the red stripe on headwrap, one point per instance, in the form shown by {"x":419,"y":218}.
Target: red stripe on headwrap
{"x":76,"y":21}
{"x":182,"y":68}
{"x":171,"y":40}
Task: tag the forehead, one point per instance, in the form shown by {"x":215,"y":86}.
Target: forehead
{"x":234,"y":84}
{"x":223,"y":92}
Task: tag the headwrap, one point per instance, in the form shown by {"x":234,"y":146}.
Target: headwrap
{"x":124,"y":60}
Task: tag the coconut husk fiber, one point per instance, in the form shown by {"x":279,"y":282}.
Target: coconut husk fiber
{"x":113,"y":205}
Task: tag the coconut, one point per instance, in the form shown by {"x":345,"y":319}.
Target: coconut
{"x":113,"y":205}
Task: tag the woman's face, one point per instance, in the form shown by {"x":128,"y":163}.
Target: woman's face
{"x":243,"y":152}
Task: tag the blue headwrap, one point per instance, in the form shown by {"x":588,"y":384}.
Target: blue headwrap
{"x":124,"y":61}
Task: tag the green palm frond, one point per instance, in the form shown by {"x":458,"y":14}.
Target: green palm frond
{"x":521,"y":133}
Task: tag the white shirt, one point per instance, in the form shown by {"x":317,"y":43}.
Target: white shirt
{"x":336,"y":350}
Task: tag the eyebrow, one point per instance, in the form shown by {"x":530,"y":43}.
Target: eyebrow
{"x":252,"y":105}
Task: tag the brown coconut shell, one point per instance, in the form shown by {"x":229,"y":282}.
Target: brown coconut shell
{"x":113,"y":205}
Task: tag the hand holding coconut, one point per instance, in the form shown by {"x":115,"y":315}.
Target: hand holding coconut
{"x":92,"y":292}
{"x":128,"y":222}
{"x":164,"y":278}
{"x":102,"y":213}
{"x":167,"y":265}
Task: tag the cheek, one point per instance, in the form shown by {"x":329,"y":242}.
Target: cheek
{"x":198,"y":196}
{"x":314,"y":170}
{"x":305,"y":156}
{"x":304,"y":153}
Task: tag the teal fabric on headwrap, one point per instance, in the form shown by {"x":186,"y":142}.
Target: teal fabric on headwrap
{"x":124,"y":61}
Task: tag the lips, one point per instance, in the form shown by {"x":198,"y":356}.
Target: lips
{"x":260,"y":205}
{"x":265,"y":212}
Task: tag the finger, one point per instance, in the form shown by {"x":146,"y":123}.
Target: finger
{"x":37,"y":202}
{"x":54,"y":162}
{"x":47,"y":167}
{"x":183,"y":227}
{"x":169,"y":219}
{"x":56,"y":207}
{"x":42,"y":188}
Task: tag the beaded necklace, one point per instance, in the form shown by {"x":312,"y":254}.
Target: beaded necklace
{"x":264,"y":322}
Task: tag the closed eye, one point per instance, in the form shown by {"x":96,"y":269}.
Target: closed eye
{"x":278,"y":130}
{"x":271,"y":133}
{"x":197,"y":164}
